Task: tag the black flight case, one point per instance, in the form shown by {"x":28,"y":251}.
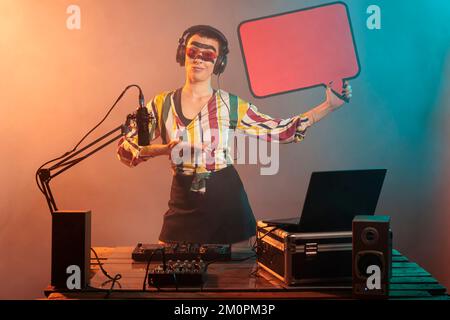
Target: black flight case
{"x":305,"y":258}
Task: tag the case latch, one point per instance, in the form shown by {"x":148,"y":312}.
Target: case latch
{"x":311,"y":250}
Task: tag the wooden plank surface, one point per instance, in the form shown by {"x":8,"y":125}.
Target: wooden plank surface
{"x":238,"y":280}
{"x":404,"y":264}
{"x":409,"y":272}
{"x":432,"y":288}
{"x":424,"y":279}
{"x":399,"y":259}
{"x":409,"y":293}
{"x":198,"y":295}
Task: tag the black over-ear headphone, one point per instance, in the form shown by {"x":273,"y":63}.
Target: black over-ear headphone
{"x":221,"y":61}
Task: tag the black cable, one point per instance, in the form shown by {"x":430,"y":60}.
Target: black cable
{"x":255,"y":249}
{"x":220,"y":92}
{"x":107,"y":114}
{"x":41,"y":188}
{"x":114,"y":279}
{"x":254,"y":273}
{"x":101,"y":266}
{"x":254,"y":246}
{"x":108,"y":281}
{"x":176,"y":280}
{"x":144,"y":285}
{"x":243,"y":259}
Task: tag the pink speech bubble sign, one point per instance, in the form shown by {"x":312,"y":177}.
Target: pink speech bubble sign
{"x":298,"y":50}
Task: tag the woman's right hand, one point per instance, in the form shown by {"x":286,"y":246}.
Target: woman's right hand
{"x":155,"y":150}
{"x":171,"y":145}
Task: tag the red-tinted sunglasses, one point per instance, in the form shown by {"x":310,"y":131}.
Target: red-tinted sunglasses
{"x":194,"y":53}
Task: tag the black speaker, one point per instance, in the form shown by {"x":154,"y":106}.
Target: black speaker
{"x":371,"y":256}
{"x":71,"y":244}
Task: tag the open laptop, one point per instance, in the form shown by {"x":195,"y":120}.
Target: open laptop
{"x":334,"y":198}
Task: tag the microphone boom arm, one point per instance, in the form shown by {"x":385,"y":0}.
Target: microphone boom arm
{"x":45,"y":174}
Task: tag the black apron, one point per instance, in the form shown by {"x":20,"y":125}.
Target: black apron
{"x":222,"y":215}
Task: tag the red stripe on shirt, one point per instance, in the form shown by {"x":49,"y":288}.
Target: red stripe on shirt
{"x":289,"y":133}
{"x":255,"y":117}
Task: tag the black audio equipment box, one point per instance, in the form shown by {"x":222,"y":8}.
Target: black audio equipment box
{"x":305,"y":257}
{"x":181,"y":251}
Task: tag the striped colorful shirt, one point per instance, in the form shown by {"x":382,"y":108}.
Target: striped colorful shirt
{"x":210,"y":132}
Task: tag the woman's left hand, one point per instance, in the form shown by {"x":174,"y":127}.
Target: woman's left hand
{"x":334,"y":100}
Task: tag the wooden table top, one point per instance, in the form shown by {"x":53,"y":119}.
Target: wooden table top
{"x":239,"y":280}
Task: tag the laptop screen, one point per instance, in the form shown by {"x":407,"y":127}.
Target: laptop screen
{"x":334,"y":198}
